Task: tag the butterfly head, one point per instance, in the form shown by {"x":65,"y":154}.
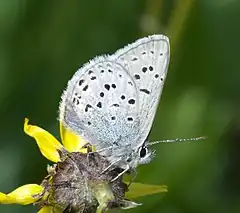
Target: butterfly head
{"x":134,"y":157}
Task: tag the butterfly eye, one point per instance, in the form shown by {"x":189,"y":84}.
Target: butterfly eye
{"x":143,"y":152}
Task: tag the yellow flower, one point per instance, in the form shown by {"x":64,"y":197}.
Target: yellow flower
{"x":51,"y":148}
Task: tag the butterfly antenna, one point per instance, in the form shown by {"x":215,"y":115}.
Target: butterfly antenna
{"x":178,"y":140}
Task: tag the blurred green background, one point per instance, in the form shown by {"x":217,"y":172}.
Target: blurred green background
{"x":44,"y":42}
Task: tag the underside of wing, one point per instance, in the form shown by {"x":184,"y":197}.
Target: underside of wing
{"x":146,"y":61}
{"x":100,"y":103}
{"x":112,"y":100}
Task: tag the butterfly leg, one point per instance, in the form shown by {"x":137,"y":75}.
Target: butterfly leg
{"x":120,"y":174}
{"x":134,"y":177}
{"x":109,"y":167}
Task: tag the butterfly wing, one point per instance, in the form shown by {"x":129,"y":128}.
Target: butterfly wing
{"x":146,"y":61}
{"x":113,"y":99}
{"x":100,"y":103}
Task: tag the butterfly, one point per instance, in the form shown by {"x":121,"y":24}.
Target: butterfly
{"x":111,"y":101}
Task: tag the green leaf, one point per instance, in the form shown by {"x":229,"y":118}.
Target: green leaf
{"x":139,"y":190}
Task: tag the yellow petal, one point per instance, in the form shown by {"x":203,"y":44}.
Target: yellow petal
{"x":139,"y":189}
{"x":46,"y":209}
{"x":2,"y":197}
{"x":71,"y":141}
{"x":23,"y":195}
{"x":47,"y":144}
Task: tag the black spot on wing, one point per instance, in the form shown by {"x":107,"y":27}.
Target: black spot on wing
{"x":107,"y":86}
{"x":137,"y":77}
{"x":85,"y":88}
{"x":145,"y":91}
{"x":80,"y":82}
{"x":99,"y":104}
{"x":87,"y":107}
{"x":131,"y":101}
